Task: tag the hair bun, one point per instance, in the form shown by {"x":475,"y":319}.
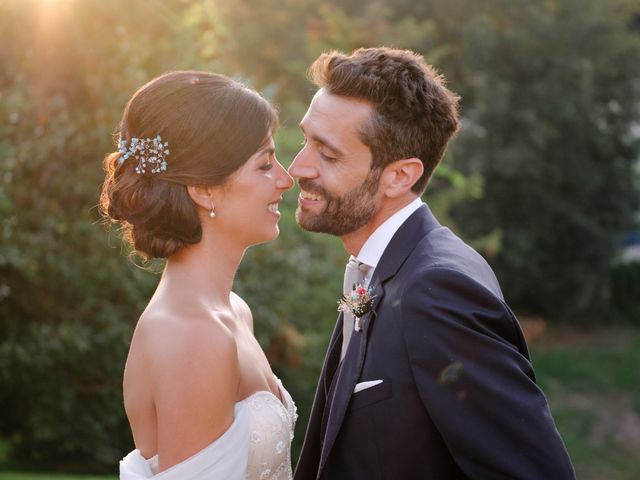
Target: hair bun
{"x":158,"y":218}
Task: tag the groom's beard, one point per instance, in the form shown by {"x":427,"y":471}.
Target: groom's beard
{"x":344,"y":214}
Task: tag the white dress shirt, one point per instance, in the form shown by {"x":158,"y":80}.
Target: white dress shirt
{"x":374,"y":247}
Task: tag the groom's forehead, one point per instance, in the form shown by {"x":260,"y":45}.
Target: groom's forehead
{"x":327,"y":102}
{"x":335,"y":114}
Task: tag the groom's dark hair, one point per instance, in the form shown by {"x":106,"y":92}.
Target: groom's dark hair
{"x":415,"y":115}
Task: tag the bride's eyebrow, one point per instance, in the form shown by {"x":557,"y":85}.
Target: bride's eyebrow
{"x":268,"y":149}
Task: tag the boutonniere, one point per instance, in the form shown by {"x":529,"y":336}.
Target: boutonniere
{"x":359,"y":302}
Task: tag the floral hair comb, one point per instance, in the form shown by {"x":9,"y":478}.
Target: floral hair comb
{"x":150,"y":152}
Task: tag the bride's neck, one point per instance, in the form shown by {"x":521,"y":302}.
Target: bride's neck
{"x":202,"y":274}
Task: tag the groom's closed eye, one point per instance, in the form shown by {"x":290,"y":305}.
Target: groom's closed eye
{"x":327,"y":158}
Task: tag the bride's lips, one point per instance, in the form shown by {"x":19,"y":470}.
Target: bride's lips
{"x":273,"y":207}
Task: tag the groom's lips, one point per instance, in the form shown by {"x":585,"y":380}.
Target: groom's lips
{"x":307,"y":198}
{"x":310,"y":195}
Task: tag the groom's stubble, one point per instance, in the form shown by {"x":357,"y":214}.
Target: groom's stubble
{"x":342,"y":214}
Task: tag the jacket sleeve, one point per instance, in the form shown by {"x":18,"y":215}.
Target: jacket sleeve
{"x":471,"y":368}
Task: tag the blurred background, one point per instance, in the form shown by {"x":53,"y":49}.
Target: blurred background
{"x":543,"y":179}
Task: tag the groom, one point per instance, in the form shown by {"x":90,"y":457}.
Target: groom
{"x":435,"y":381}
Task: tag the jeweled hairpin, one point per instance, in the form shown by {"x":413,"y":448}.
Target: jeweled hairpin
{"x":148,"y":151}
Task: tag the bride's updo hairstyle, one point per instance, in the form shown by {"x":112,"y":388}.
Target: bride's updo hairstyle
{"x":212,"y":125}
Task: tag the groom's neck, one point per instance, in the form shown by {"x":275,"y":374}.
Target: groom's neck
{"x":354,"y":241}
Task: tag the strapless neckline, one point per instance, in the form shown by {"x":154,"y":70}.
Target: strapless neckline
{"x":262,"y":392}
{"x":284,"y":400}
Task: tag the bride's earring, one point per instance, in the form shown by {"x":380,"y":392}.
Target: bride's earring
{"x":212,"y":213}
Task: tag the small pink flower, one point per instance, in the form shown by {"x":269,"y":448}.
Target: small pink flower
{"x":359,"y":302}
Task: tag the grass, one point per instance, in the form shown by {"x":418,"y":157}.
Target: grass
{"x":51,"y":476}
{"x":591,"y":379}
{"x":592,"y":382}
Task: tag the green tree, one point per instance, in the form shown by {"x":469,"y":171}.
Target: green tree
{"x":69,"y":299}
{"x":549,"y":127}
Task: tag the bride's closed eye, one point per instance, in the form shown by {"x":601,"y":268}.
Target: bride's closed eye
{"x":269,"y":156}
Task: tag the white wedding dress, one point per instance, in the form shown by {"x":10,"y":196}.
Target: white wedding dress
{"x":257,"y":446}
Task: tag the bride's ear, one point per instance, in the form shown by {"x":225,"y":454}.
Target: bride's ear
{"x":202,"y":196}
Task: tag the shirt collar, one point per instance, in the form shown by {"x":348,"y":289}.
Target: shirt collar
{"x":374,"y":247}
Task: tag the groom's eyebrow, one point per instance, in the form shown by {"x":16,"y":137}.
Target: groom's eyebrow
{"x":322,"y":140}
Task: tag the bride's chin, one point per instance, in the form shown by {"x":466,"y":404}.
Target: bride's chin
{"x":275,"y":234}
{"x":268,"y":237}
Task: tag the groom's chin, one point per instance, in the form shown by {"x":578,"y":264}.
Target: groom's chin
{"x":308,"y":222}
{"x":321,"y":224}
{"x":302,"y":220}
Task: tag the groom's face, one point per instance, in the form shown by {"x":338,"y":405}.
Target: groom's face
{"x":339,"y":192}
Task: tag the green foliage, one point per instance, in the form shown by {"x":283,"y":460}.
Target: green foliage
{"x":549,"y":128}
{"x":625,"y":290}
{"x":273,"y":42}
{"x":68,"y":298}
{"x":540,"y":178}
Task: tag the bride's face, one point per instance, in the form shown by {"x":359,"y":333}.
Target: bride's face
{"x":247,"y":206}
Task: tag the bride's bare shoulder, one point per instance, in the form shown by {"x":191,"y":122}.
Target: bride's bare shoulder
{"x":241,"y":310}
{"x":190,"y":368}
{"x":169,"y":338}
{"x":195,"y":355}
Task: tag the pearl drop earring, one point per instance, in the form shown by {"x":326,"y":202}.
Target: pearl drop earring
{"x":212,"y":213}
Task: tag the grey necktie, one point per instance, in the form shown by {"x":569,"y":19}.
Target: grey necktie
{"x":354,"y":274}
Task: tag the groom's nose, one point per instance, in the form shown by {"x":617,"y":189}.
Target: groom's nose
{"x":303,"y":165}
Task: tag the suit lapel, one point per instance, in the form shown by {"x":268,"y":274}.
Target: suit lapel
{"x":345,"y":380}
{"x":332,"y":359}
{"x":346,"y":377}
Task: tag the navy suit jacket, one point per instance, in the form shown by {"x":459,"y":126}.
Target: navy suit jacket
{"x":458,"y":397}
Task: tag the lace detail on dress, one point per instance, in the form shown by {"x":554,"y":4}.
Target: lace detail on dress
{"x":271,"y":432}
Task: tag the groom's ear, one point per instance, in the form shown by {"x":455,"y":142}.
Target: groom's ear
{"x":398,"y":177}
{"x":202,"y":196}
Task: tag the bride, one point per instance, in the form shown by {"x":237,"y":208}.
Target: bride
{"x":195,"y":180}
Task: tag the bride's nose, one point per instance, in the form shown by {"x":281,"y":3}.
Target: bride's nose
{"x":284,"y":181}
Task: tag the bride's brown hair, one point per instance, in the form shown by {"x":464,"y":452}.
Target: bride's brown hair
{"x":212,"y":124}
